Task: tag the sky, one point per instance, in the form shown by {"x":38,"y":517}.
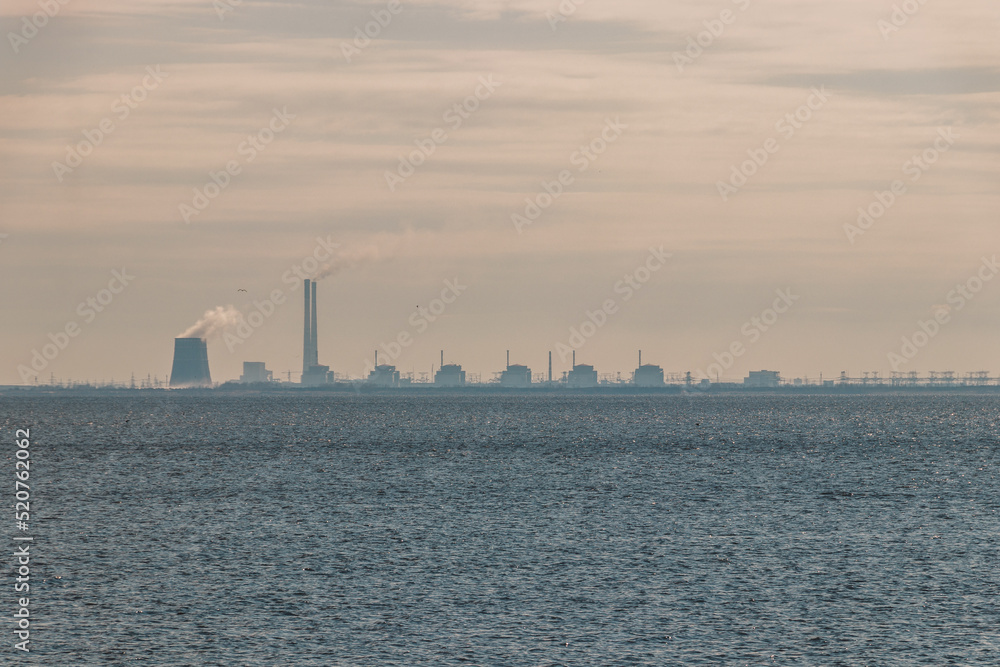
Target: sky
{"x":733,"y":185}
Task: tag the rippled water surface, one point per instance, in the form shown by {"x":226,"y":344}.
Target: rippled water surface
{"x":185,"y":530}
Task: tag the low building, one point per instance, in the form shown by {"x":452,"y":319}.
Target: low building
{"x":648,"y":376}
{"x":317,"y":376}
{"x":582,"y":377}
{"x":763,"y":379}
{"x":384,"y":376}
{"x":516,"y":377}
{"x":450,"y":375}
{"x":254,"y":371}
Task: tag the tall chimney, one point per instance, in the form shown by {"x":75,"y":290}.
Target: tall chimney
{"x":306,"y":329}
{"x":640,"y":358}
{"x":314,"y":336}
{"x":550,"y":365}
{"x":574,"y":359}
{"x":508,"y":359}
{"x":442,"y":358}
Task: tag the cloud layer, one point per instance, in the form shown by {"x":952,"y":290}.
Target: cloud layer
{"x":100,"y":156}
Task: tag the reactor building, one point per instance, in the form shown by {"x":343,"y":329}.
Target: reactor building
{"x":648,"y":375}
{"x":383,"y":376}
{"x":190,"y":367}
{"x":583,"y":376}
{"x":516,"y":376}
{"x":449,"y":375}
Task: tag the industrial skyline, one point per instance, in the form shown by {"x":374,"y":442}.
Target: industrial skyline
{"x":191,"y":365}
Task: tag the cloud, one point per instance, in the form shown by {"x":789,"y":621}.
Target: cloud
{"x":881,"y":82}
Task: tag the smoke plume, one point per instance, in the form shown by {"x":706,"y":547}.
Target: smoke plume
{"x":348,"y":259}
{"x":213,"y":322}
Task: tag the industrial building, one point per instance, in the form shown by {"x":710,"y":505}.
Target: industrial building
{"x":649,"y":375}
{"x":190,"y":367}
{"x":582,"y":376}
{"x":255,"y":371}
{"x":449,"y":375}
{"x":384,"y":376}
{"x":317,"y":376}
{"x":313,"y":374}
{"x":516,"y":376}
{"x":763,"y":380}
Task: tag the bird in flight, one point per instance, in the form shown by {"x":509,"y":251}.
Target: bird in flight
{"x":241,"y":290}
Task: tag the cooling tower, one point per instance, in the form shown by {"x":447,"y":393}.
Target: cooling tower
{"x":190,"y":363}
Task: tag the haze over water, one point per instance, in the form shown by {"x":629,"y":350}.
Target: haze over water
{"x":343,"y":530}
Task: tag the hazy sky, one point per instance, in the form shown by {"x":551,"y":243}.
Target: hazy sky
{"x":113,"y":113}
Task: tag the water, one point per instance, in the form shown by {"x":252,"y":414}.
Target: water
{"x":512,"y":530}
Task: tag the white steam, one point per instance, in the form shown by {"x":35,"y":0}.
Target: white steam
{"x":213,"y":322}
{"x":348,"y":259}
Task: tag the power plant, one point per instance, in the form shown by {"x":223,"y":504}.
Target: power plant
{"x":190,"y":363}
{"x":191,"y":369}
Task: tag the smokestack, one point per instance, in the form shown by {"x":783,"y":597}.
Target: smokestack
{"x":306,"y":329}
{"x":550,"y":365}
{"x":508,"y":359}
{"x":574,"y":359}
{"x":314,"y":335}
{"x":640,"y":358}
{"x":376,"y":357}
{"x":190,"y":363}
{"x":442,"y":358}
